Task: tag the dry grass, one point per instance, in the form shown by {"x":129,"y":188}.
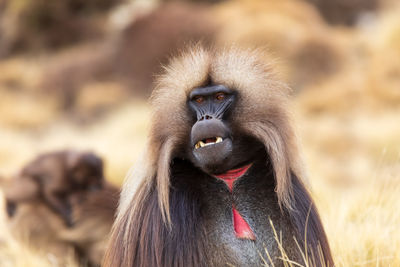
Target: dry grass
{"x":354,"y":166}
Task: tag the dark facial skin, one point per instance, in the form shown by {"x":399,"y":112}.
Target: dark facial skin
{"x":215,"y":146}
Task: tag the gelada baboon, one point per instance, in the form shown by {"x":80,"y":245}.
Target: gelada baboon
{"x":90,"y":201}
{"x":220,"y":183}
{"x":52,"y":177}
{"x":92,"y":213}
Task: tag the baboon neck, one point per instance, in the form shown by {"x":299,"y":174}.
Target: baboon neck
{"x":231,"y":176}
{"x":240,"y":226}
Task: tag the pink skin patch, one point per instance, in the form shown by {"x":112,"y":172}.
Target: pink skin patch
{"x":241,"y":227}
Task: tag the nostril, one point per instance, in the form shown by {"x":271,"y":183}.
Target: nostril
{"x":206,"y":117}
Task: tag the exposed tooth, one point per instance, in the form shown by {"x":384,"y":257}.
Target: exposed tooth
{"x":199,"y":144}
{"x":202,"y":144}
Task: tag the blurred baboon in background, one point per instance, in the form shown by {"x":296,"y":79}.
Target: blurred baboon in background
{"x":60,"y":202}
{"x":52,"y":177}
{"x":36,"y":225}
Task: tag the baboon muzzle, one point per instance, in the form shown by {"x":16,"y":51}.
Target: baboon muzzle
{"x":208,"y":131}
{"x":212,"y":143}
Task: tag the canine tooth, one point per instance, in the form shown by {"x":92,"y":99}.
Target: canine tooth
{"x":201,"y":144}
{"x":197,"y":145}
{"x":219,"y":140}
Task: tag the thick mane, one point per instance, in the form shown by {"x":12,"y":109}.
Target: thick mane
{"x":310,"y":233}
{"x":236,"y":69}
{"x":261,"y":112}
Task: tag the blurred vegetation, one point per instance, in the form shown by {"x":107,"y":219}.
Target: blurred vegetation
{"x":76,"y":73}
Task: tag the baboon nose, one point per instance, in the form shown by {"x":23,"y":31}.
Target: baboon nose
{"x":206,"y":117}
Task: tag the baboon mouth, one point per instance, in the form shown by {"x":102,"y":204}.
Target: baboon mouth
{"x":208,"y":142}
{"x":211,"y":153}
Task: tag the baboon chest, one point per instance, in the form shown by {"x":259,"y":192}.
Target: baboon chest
{"x":256,"y":203}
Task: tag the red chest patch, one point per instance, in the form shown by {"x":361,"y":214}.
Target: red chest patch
{"x":241,"y":227}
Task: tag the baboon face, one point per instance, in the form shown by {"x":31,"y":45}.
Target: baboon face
{"x":86,"y":170}
{"x":215,"y":145}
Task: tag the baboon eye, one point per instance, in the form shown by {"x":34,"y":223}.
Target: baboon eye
{"x":199,"y":99}
{"x":220,"y":96}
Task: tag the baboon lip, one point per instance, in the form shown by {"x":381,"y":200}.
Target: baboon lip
{"x":208,"y":133}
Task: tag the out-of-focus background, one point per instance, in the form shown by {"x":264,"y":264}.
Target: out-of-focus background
{"x":77,"y":74}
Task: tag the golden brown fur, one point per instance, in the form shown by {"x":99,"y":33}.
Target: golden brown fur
{"x":260,"y":112}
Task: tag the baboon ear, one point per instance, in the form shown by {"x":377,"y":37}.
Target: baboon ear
{"x":22,"y":189}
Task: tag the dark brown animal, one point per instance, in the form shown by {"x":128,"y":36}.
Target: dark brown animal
{"x":221,"y":168}
{"x":88,"y":205}
{"x":52,"y":177}
{"x":36,"y":225}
